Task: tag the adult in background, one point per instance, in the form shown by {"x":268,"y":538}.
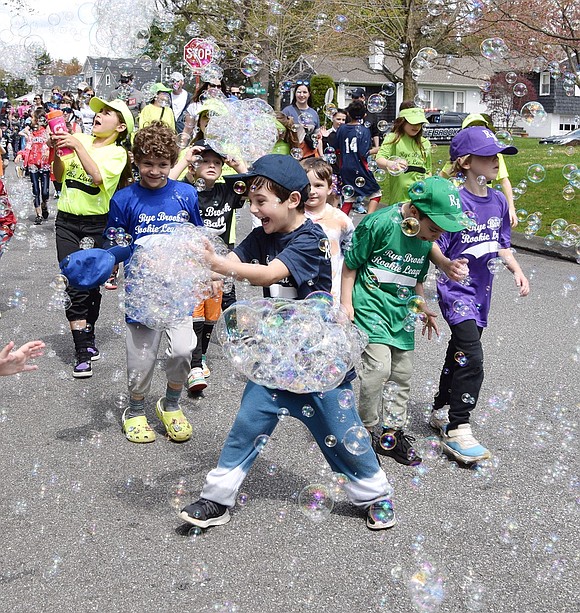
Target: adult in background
{"x":305,"y":116}
{"x":180,"y":100}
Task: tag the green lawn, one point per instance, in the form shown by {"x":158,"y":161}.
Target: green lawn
{"x":545,"y":197}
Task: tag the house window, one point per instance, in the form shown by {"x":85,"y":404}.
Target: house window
{"x":107,"y":79}
{"x":568,"y":123}
{"x":168,"y":72}
{"x":544,"y":84}
{"x":459,"y":102}
{"x":427,"y":96}
{"x":443,"y":100}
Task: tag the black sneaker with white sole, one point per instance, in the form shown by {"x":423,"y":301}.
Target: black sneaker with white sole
{"x":82,"y":368}
{"x":397,"y":445}
{"x":381,"y":515}
{"x":205,"y":513}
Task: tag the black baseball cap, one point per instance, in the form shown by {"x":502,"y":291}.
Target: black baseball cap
{"x":357,"y":92}
{"x":205,"y":144}
{"x":282,"y":169}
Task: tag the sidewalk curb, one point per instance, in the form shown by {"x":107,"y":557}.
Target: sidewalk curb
{"x":535,"y":244}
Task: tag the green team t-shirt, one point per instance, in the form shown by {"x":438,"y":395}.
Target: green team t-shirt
{"x":395,"y":188}
{"x":80,"y":195}
{"x":386,"y":260}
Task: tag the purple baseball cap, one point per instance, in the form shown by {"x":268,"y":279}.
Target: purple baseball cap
{"x":477,"y":140}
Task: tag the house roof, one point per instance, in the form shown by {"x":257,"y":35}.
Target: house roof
{"x":101,"y":64}
{"x":453,"y":71}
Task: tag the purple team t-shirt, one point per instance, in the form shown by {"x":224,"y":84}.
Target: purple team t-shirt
{"x":462,"y":302}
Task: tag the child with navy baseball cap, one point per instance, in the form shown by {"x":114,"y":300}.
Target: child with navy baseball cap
{"x":284,"y":257}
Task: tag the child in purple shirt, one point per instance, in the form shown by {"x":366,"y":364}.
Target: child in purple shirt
{"x":465,"y":304}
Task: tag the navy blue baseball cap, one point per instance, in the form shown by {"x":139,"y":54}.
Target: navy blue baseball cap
{"x":282,"y":169}
{"x":477,"y":140}
{"x":89,"y":268}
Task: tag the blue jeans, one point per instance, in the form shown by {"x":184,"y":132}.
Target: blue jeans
{"x":258,"y":415}
{"x":40,"y":180}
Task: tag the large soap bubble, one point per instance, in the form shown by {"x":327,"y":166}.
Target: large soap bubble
{"x":168,"y":276}
{"x":300,"y":346}
{"x":245,"y":130}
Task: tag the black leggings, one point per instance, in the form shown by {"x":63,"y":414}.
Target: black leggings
{"x":70,"y":229}
{"x":459,"y":385}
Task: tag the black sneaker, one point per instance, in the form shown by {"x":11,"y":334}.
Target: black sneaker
{"x":82,"y":366}
{"x":380,"y":515}
{"x":95,"y":353}
{"x":397,"y":445}
{"x":38,"y":220}
{"x":44,"y":212}
{"x":205,"y":513}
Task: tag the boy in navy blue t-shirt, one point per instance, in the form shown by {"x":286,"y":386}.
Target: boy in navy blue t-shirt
{"x":145,"y":210}
{"x":290,"y":264}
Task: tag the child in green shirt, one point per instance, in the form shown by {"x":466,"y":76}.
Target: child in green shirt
{"x":382,"y":291}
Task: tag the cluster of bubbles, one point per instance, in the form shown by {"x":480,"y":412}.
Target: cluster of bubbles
{"x":564,"y":233}
{"x":533,"y":114}
{"x":169,"y":276}
{"x":425,"y":59}
{"x":300,"y":346}
{"x":494,"y":49}
{"x":245,"y":130}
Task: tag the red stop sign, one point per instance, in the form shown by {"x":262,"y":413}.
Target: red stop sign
{"x":197,"y":53}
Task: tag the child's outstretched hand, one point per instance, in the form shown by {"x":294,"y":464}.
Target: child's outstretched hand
{"x":457,"y":269}
{"x":430,"y":324}
{"x":13,"y":362}
{"x":522,"y":283}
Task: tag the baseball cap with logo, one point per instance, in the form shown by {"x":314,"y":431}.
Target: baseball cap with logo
{"x":477,"y":140}
{"x":97,"y":105}
{"x":176,"y":76}
{"x":438,"y":198}
{"x":413,"y":115}
{"x":357,"y":92}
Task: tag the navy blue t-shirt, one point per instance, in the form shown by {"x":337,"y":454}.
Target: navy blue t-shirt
{"x":304,"y":252}
{"x":353,"y":143}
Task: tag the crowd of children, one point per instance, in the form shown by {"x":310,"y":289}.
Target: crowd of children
{"x":302,"y":244}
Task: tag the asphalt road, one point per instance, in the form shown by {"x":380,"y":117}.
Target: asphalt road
{"x":89,"y":519}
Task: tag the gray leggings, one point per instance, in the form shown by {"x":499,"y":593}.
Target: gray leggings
{"x":142,"y":346}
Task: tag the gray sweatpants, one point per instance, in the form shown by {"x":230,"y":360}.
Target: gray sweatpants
{"x":383,"y":363}
{"x":142,"y":346}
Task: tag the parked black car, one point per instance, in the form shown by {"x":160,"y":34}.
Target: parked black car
{"x":570,"y":138}
{"x":442,"y":127}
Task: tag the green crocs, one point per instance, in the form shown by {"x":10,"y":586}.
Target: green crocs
{"x":175,"y":422}
{"x":137,"y":429}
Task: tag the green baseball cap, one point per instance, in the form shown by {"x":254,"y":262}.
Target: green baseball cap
{"x":159,"y":87}
{"x":98,"y":104}
{"x":438,"y":198}
{"x":477,"y":119}
{"x":414,"y":115}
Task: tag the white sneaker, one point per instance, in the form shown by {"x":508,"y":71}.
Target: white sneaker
{"x":439,"y":419}
{"x":196,"y":381}
{"x":462,"y":445}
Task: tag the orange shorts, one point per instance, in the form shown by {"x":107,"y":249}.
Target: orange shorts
{"x":209,"y":309}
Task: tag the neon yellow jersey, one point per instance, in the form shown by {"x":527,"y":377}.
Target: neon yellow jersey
{"x":79,"y":194}
{"x":151,"y":113}
{"x":394,"y":189}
